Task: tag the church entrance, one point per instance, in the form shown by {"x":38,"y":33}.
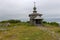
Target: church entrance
{"x":38,"y":21}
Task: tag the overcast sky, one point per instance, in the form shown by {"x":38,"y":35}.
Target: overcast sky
{"x":20,"y":9}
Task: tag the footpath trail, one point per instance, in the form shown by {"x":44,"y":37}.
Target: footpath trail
{"x":53,"y":33}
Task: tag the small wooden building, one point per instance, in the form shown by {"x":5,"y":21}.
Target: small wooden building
{"x":35,"y":18}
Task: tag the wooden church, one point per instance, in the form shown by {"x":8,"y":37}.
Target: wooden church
{"x":35,"y":18}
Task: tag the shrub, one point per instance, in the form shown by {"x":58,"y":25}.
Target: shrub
{"x":54,"y":23}
{"x":44,"y":22}
{"x":11,"y":21}
{"x":28,"y":21}
{"x":14,"y":21}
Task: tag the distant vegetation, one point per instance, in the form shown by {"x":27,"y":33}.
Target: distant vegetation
{"x":51,"y":23}
{"x":11,"y":21}
{"x":27,"y":23}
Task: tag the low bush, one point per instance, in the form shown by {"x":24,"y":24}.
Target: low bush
{"x":11,"y":21}
{"x":54,"y":23}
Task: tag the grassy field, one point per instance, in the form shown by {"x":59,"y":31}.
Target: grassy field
{"x":23,"y":31}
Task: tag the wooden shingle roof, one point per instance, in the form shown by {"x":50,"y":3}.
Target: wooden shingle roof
{"x":38,"y":17}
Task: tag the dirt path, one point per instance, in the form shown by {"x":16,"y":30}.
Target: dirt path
{"x":54,"y":34}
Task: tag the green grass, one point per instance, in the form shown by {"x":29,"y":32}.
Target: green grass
{"x":23,"y":31}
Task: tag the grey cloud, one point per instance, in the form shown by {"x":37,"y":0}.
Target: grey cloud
{"x":20,"y":9}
